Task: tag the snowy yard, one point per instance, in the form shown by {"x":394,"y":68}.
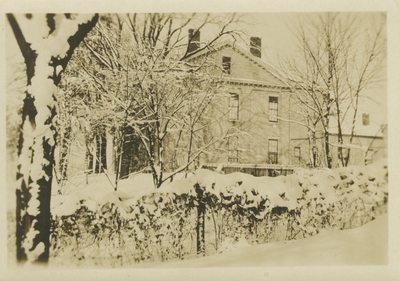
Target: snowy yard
{"x":365,"y":245}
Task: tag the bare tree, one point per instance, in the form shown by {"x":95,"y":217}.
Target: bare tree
{"x":176,"y":92}
{"x":46,"y":52}
{"x":339,"y":56}
{"x":138,"y":65}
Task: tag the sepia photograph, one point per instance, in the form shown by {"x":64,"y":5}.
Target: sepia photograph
{"x":196,"y":140}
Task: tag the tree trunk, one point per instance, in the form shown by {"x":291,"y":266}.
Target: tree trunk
{"x":314,"y":149}
{"x":64,"y":145}
{"x":200,"y":245}
{"x":327,"y":100}
{"x":327,"y":151}
{"x":45,"y":59}
{"x":110,"y":153}
{"x":94,"y":154}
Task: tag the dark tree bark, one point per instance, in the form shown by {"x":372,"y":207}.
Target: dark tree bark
{"x":45,"y":59}
{"x":201,"y":208}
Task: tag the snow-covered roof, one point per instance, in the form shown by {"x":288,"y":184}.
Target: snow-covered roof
{"x":360,"y":130}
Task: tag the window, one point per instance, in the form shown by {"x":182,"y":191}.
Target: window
{"x":273,"y":151}
{"x":365,"y":119}
{"x":234,"y":107}
{"x":345,"y":152}
{"x":273,"y":109}
{"x":233,"y":151}
{"x":297,"y":155}
{"x":226,"y":64}
{"x":369,"y":156}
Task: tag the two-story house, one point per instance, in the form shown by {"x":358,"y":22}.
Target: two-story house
{"x":260,"y":106}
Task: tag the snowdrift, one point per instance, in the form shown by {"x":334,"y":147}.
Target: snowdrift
{"x":365,"y":245}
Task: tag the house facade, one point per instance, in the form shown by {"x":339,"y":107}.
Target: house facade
{"x":260,"y":108}
{"x":263,"y":107}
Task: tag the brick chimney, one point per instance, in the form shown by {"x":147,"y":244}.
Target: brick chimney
{"x":255,"y":46}
{"x":193,"y":40}
{"x":365,"y":119}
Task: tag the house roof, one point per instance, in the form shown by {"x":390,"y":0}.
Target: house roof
{"x":245,"y":53}
{"x":376,"y":131}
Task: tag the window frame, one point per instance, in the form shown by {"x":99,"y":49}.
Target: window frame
{"x":273,"y":155}
{"x":297,"y":157}
{"x":233,"y":149}
{"x":369,"y":156}
{"x":273,"y":112}
{"x":233,"y":107}
{"x":227,"y":65}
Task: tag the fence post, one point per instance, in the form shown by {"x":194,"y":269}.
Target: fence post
{"x":200,"y":220}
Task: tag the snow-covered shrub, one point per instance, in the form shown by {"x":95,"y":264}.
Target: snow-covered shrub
{"x":153,"y":228}
{"x":210,"y":212}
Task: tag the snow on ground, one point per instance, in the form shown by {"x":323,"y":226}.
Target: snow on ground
{"x":366,"y":245}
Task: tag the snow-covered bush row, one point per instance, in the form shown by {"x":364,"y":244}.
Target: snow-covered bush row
{"x":325,"y":186}
{"x":161,"y":224}
{"x":151,"y":228}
